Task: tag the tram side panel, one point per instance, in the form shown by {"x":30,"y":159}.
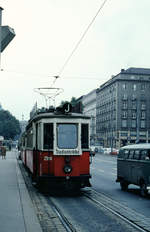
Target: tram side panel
{"x":29,"y":160}
{"x":85,"y":163}
{"x":23,"y":156}
{"x":45,"y":163}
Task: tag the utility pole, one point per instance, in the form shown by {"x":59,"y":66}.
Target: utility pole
{"x":0,"y":33}
{"x":138,"y":121}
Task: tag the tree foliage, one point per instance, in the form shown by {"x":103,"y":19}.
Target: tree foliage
{"x":73,"y":102}
{"x":77,"y":105}
{"x":9,"y":125}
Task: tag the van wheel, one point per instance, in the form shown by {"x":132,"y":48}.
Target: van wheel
{"x":143,"y":190}
{"x":124,"y":185}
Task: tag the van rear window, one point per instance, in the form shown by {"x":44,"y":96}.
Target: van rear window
{"x":143,"y":154}
{"x":126,"y":153}
{"x":137,"y":154}
{"x":131,"y":154}
{"x":121,"y":153}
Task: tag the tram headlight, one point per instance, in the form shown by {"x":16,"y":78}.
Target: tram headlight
{"x":67,"y":169}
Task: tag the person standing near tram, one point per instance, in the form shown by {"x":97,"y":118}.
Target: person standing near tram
{"x":3,"y":152}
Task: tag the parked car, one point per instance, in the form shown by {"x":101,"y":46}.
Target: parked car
{"x":107,"y":150}
{"x":96,"y":148}
{"x":110,"y":151}
{"x":114,"y":151}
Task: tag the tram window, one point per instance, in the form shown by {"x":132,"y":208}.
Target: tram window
{"x":131,"y":154}
{"x":23,"y":142}
{"x":84,"y":136}
{"x":67,"y":136}
{"x":30,"y":138}
{"x":48,"y":135}
{"x":137,"y":154}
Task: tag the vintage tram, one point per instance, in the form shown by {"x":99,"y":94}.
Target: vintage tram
{"x":55,"y":149}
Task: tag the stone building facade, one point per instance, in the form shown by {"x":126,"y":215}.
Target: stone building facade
{"x":123,"y":108}
{"x":89,"y":108}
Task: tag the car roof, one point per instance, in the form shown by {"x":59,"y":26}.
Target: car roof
{"x":137,"y":146}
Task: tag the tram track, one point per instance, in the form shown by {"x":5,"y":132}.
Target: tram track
{"x":134,"y":219}
{"x":49,"y":215}
{"x":67,"y":225}
{"x":52,"y":218}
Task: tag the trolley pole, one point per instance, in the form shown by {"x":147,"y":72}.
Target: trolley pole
{"x":0,"y":33}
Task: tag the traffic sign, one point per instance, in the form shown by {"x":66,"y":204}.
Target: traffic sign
{"x":7,"y":34}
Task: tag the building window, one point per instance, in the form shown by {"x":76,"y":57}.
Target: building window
{"x":134,"y":87}
{"x":124,"y":105}
{"x":124,"y":85}
{"x":143,"y":105}
{"x":133,"y":114}
{"x":142,"y":124}
{"x":133,"y":123}
{"x":124,"y":96}
{"x":134,"y":105}
{"x":143,"y":114}
{"x":143,"y":86}
{"x":133,"y":97}
{"x":124,"y":114}
{"x":124,"y":123}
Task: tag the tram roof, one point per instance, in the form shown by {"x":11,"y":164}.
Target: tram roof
{"x":137,"y":146}
{"x":58,"y":115}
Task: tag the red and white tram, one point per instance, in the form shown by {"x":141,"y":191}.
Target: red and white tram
{"x":55,"y":148}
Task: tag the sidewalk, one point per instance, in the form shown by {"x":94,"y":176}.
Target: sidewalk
{"x":16,"y":209}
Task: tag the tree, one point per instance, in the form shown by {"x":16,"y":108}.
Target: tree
{"x":63,"y":102}
{"x":77,"y":105}
{"x":9,"y":125}
{"x":73,"y":102}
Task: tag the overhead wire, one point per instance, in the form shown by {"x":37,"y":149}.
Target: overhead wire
{"x":73,"y":51}
{"x":45,"y":75}
{"x":82,"y":37}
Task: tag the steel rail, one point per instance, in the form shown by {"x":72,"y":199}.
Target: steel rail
{"x":40,"y":203}
{"x":47,"y":212}
{"x":67,"y":225}
{"x":121,"y":216}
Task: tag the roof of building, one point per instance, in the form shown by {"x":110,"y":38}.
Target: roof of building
{"x":129,"y":71}
{"x":132,"y":70}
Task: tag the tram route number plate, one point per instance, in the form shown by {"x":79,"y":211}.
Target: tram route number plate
{"x":46,"y":158}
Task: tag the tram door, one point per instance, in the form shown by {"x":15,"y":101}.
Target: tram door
{"x":48,"y":144}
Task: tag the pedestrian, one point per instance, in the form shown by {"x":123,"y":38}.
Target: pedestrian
{"x":3,"y":152}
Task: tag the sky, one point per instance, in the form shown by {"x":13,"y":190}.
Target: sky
{"x":47,"y":32}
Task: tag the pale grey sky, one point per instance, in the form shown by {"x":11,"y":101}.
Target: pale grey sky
{"x":46,"y":33}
